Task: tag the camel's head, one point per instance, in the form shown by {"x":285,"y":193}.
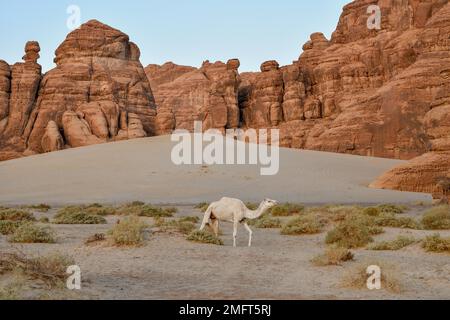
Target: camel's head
{"x":269,"y":203}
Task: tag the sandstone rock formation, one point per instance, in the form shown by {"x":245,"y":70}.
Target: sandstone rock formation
{"x":370,"y":92}
{"x":98,"y":80}
{"x":185,"y":94}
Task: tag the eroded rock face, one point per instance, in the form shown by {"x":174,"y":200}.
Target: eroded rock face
{"x":368,"y":92}
{"x":428,"y":173}
{"x":184,"y":95}
{"x":98,"y":79}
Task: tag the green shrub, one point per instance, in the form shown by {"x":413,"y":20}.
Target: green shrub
{"x":93,"y":209}
{"x":265,"y":222}
{"x":145,"y":210}
{"x":392,"y":208}
{"x":128,"y":232}
{"x":286,"y":209}
{"x":202,"y":206}
{"x":32,"y":233}
{"x":307,"y":224}
{"x":390,"y":220}
{"x":204,"y":237}
{"x":333,"y":256}
{"x":437,"y":218}
{"x":396,"y":244}
{"x":184,"y":225}
{"x":8,"y":227}
{"x":349,"y":233}
{"x":16,"y":215}
{"x":39,"y":207}
{"x":435,"y":243}
{"x":372,"y":211}
{"x":71,"y":215}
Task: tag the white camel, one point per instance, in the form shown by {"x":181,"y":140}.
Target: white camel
{"x":234,"y":211}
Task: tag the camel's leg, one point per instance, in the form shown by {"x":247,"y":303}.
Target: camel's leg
{"x":235,"y":227}
{"x":250,"y":232}
{"x":206,"y":218}
{"x":215,"y":226}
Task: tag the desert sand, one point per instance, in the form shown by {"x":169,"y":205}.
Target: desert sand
{"x":276,"y":267}
{"x":142,"y":169}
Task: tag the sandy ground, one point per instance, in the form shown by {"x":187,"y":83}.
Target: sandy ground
{"x":169,"y":267}
{"x":142,"y":170}
{"x":276,"y":267}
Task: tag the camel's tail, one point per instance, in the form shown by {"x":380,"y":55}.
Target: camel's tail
{"x":206,"y":217}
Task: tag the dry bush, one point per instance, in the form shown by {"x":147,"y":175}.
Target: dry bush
{"x":204,"y":237}
{"x":77,"y":217}
{"x":390,"y":220}
{"x":435,"y":243}
{"x":265,"y":222}
{"x":50,"y":269}
{"x":39,"y":207}
{"x":32,"y":233}
{"x":128,"y":232}
{"x":333,"y":256}
{"x":183,"y":225}
{"x":357,"y":277}
{"x":392,"y":208}
{"x":308,"y":224}
{"x":91,"y":210}
{"x":250,"y":205}
{"x":16,"y":215}
{"x":44,"y":220}
{"x":98,"y":237}
{"x":371,"y":211}
{"x":396,"y":244}
{"x":334,"y":213}
{"x":144,"y":210}
{"x":8,"y":227}
{"x":350,"y":233}
{"x":202,"y":206}
{"x":437,"y":218}
{"x":286,"y":209}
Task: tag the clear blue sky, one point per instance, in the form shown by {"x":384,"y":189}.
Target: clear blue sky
{"x":183,"y":31}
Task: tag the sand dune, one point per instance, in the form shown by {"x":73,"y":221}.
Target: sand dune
{"x":142,"y":170}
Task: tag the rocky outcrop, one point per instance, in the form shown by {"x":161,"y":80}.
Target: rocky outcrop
{"x":97,"y":80}
{"x":365,"y":91}
{"x":428,"y":173}
{"x":52,"y":139}
{"x":184,"y":95}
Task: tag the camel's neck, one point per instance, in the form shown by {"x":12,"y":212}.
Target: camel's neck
{"x":255,"y":214}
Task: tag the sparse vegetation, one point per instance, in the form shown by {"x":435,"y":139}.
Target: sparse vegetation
{"x":250,"y":205}
{"x":333,"y":256}
{"x":392,"y":208}
{"x":144,"y":210}
{"x":183,"y":225}
{"x":371,"y":211}
{"x":44,"y":220}
{"x":286,"y":209}
{"x":16,"y":215}
{"x":128,"y":232}
{"x":436,"y":243}
{"x":32,"y":233}
{"x":8,"y":227}
{"x":204,"y":237}
{"x":39,"y":207}
{"x":390,"y":220}
{"x":357,"y":277}
{"x":202,"y":206}
{"x":437,"y":218}
{"x":50,"y":269}
{"x":350,"y":233}
{"x":77,"y":215}
{"x":397,"y":244}
{"x":98,"y":237}
{"x":307,"y":224}
{"x":265,"y":222}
